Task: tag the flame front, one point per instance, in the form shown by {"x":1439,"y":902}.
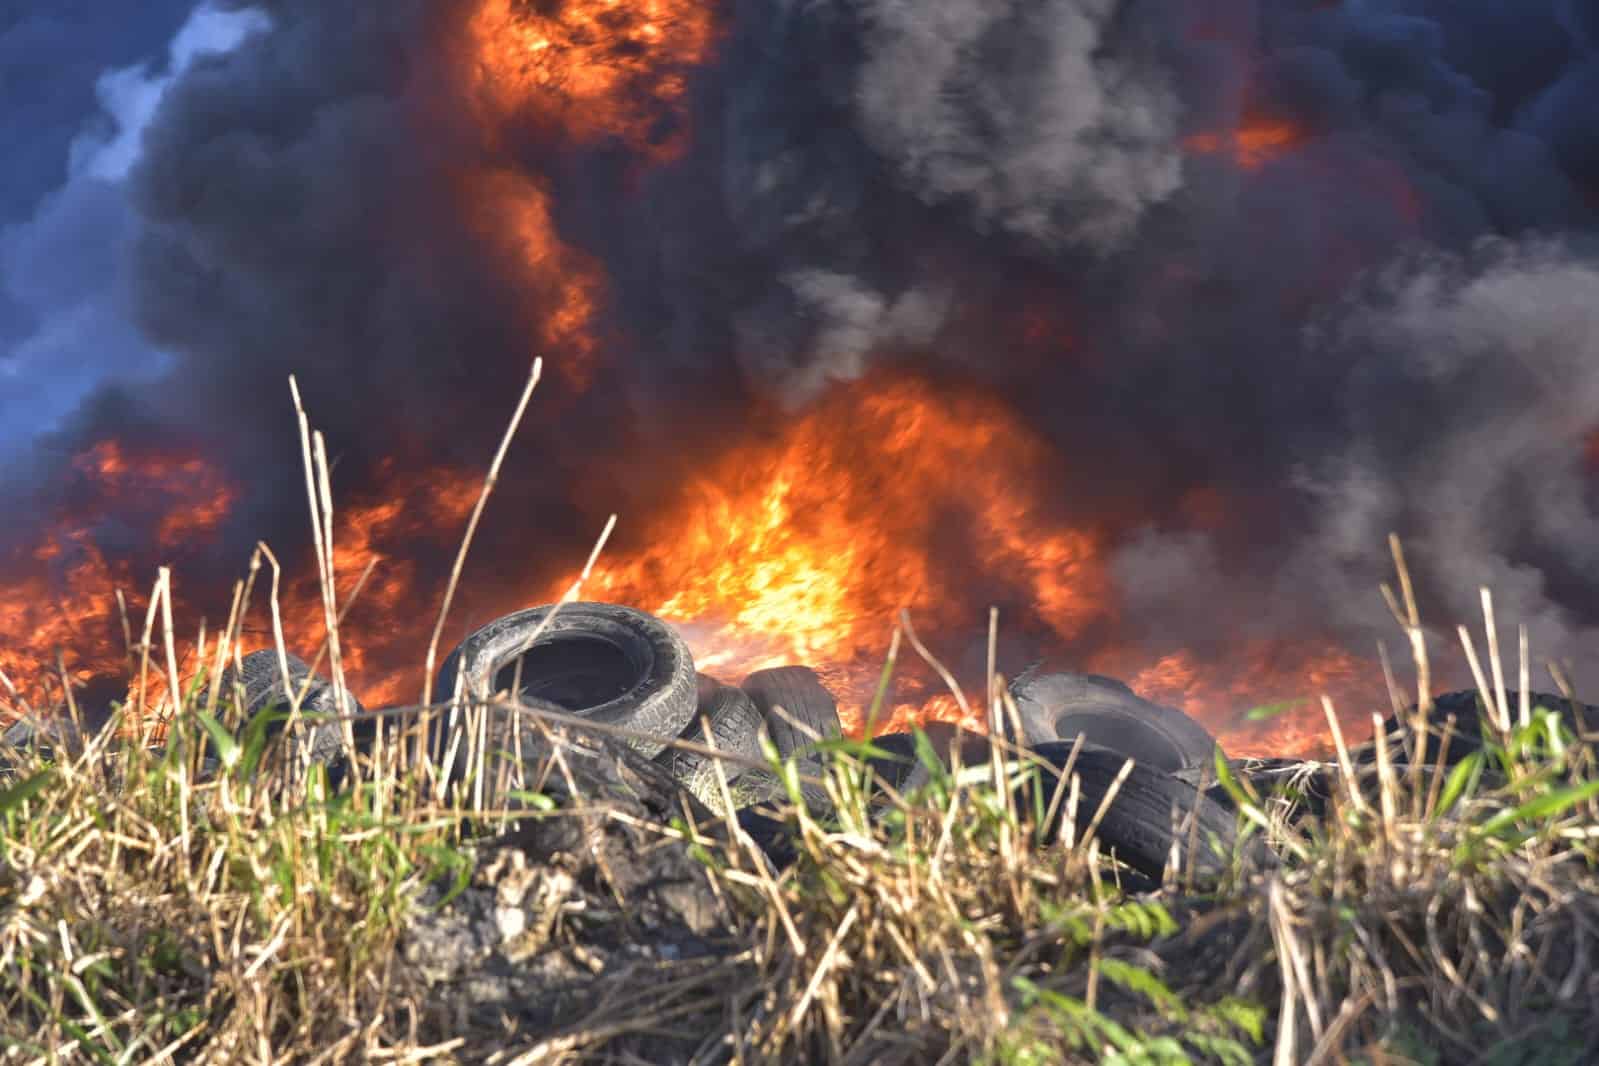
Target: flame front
{"x":614,"y":68}
{"x":888,"y":495}
{"x":58,"y":593}
{"x":419,"y":514}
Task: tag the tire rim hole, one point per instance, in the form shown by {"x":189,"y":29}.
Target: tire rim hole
{"x":576,"y":673}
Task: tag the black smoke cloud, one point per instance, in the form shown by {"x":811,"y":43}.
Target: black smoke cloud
{"x":1384,"y":323}
{"x":304,"y":208}
{"x":302,"y":215}
{"x":75,"y":79}
{"x":886,"y":171}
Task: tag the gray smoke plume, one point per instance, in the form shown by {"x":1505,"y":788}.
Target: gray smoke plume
{"x":1054,"y":122}
{"x":1473,"y":386}
{"x":1469,"y":386}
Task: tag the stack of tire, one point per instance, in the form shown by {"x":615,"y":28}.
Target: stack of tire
{"x":632,"y":675}
{"x":631,"y":672}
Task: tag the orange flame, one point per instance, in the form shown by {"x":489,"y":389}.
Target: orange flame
{"x":592,"y":69}
{"x":893,"y":493}
{"x":420,"y":513}
{"x":512,"y":210}
{"x":57,"y":595}
{"x":803,"y":548}
{"x":1256,"y":142}
{"x":796,"y":547}
{"x":1285,"y":680}
{"x":603,"y":68}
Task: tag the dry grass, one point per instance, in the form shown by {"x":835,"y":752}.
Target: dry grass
{"x":154,"y":912}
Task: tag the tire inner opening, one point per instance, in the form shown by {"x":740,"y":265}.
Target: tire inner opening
{"x":1122,"y":735}
{"x":574,"y":673}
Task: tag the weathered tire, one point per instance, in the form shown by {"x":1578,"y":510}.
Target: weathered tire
{"x":903,"y":769}
{"x":1137,"y":829}
{"x":602,"y":661}
{"x":763,"y":788}
{"x":1467,"y":736}
{"x":258,"y":684}
{"x":735,"y":727}
{"x":1138,"y":826}
{"x":1109,"y":715}
{"x":803,"y":699}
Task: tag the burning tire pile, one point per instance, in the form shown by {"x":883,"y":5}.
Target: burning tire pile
{"x":629,"y":676}
{"x":1143,"y":775}
{"x":626,"y":671}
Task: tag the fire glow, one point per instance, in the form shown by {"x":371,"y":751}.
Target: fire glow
{"x":1257,"y":141}
{"x":804,"y":548}
{"x":797,"y":548}
{"x":799,"y":544}
{"x":597,"y":67}
{"x":59,"y":619}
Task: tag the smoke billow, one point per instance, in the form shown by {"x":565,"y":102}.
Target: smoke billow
{"x":302,"y":205}
{"x":891,"y":173}
{"x":1329,"y":265}
{"x":1055,"y":123}
{"x":1472,"y":386}
{"x":79,"y":91}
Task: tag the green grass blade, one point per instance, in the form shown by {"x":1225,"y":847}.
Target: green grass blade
{"x":1463,"y":780}
{"x":1267,"y":711}
{"x":22,"y":792}
{"x":1540,"y":808}
{"x":227,"y":748}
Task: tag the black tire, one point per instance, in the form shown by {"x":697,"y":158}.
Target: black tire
{"x":1109,"y":715}
{"x":1466,"y":735}
{"x":903,"y":769}
{"x":898,"y":761}
{"x":803,"y":700}
{"x":764,"y":789}
{"x":602,"y":661}
{"x":735,"y":727}
{"x":258,"y":686}
{"x":1138,"y":826}
{"x":802,"y":697}
{"x":1137,"y":829}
